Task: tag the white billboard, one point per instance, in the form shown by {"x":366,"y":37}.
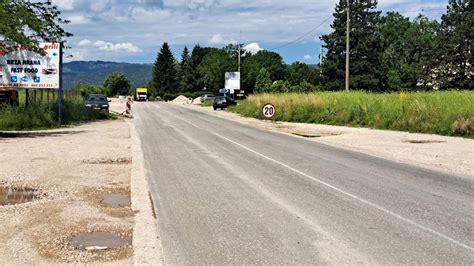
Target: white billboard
{"x":232,"y":81}
{"x":25,"y":68}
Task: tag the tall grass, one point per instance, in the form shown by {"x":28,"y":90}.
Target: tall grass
{"x":445,"y":113}
{"x":45,"y":115}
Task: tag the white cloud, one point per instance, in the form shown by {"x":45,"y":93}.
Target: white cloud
{"x":85,"y":42}
{"x":126,"y":24}
{"x":121,"y":47}
{"x":99,"y":6}
{"x":99,"y":43}
{"x":79,"y":20}
{"x":218,"y":39}
{"x":112,"y":47}
{"x":253,"y":48}
{"x":64,"y":5}
{"x":307,"y":57}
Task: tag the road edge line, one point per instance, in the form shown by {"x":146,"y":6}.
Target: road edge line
{"x":147,"y":249}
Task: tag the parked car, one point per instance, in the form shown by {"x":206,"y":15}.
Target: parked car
{"x":207,"y":97}
{"x":223,"y":102}
{"x":97,"y":102}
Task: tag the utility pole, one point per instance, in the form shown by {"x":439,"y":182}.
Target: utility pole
{"x":240,"y":40}
{"x":348,"y":28}
{"x":321,"y":56}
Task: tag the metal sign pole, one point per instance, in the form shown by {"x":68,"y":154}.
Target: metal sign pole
{"x":60,"y":91}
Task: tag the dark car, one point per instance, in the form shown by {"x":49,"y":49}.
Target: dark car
{"x":223,"y":102}
{"x":97,"y":101}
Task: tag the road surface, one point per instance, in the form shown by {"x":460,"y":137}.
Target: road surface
{"x":227,"y":193}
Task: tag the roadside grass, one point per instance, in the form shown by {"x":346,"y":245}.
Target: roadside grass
{"x":448,"y":113}
{"x":207,"y":103}
{"x":45,"y":115}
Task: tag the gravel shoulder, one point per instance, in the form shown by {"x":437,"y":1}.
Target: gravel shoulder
{"x":71,"y":169}
{"x":453,"y":155}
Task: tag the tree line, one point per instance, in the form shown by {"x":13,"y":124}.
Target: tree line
{"x":392,"y":52}
{"x":388,"y":53}
{"x":203,"y":68}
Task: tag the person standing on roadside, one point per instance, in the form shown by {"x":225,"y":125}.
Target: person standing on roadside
{"x":129,"y":106}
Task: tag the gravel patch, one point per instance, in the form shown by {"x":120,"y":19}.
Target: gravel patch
{"x":71,"y":170}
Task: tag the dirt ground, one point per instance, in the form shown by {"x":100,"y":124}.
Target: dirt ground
{"x":71,"y":170}
{"x":453,"y":155}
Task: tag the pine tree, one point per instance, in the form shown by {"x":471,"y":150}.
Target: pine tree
{"x":185,"y":72}
{"x":197,"y":55}
{"x":457,"y":37}
{"x":365,"y":48}
{"x":263,"y":81}
{"x":164,"y":76}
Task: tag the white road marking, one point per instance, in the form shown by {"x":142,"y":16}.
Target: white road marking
{"x":380,"y":208}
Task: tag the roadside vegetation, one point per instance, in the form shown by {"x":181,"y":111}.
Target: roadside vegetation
{"x":44,"y":114}
{"x":446,"y":113}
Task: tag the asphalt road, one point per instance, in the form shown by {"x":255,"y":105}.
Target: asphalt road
{"x":226,"y":193}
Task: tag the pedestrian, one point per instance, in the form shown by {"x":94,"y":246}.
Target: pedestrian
{"x":129,"y":106}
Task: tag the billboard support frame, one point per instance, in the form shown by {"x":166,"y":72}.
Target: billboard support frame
{"x":60,"y":89}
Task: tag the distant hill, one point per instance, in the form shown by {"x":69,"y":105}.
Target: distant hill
{"x":95,"y":72}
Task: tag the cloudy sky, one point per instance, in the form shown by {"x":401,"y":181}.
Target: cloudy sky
{"x":134,"y":30}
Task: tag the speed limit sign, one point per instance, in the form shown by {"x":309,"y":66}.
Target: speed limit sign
{"x":268,"y":111}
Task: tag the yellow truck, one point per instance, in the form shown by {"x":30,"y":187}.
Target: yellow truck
{"x":141,"y":94}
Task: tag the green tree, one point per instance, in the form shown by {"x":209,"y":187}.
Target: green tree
{"x":213,"y":67}
{"x":272,"y":62}
{"x":117,"y":84}
{"x":197,"y":56}
{"x":249,"y":72}
{"x":364,"y":46}
{"x":29,"y":22}
{"x":185,"y":73}
{"x":86,"y":89}
{"x":457,"y":37}
{"x":263,"y":82}
{"x":409,"y":52}
{"x":298,"y":73}
{"x":164,"y":74}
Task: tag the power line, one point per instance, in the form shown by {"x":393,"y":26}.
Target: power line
{"x":302,"y":36}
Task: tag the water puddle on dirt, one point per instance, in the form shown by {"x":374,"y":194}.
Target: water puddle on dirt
{"x":99,"y":241}
{"x":421,"y":141}
{"x":109,"y":161}
{"x":308,"y":135}
{"x":17,"y":195}
{"x":116,"y":200}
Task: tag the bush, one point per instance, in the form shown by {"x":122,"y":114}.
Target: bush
{"x":446,"y":113}
{"x":45,"y":115}
{"x":280,"y":86}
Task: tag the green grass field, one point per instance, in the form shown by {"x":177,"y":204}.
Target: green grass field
{"x":446,"y":113}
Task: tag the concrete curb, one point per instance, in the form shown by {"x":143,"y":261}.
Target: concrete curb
{"x":146,"y":239}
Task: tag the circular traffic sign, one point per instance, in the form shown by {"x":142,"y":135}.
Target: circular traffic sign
{"x":268,"y":111}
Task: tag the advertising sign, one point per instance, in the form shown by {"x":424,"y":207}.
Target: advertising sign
{"x":232,"y":81}
{"x":25,"y":68}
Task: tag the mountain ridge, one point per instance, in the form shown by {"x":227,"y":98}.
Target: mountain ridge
{"x":95,"y":72}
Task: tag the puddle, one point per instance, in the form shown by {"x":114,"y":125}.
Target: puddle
{"x":416,"y":141}
{"x":109,"y":161}
{"x":308,"y":135}
{"x":116,"y":200}
{"x":99,"y":241}
{"x":17,"y":195}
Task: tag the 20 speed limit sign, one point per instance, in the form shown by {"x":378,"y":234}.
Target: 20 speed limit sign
{"x":268,"y":111}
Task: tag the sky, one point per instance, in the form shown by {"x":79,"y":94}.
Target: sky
{"x":134,"y":30}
